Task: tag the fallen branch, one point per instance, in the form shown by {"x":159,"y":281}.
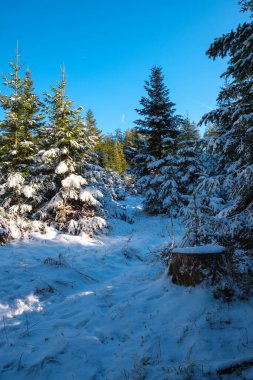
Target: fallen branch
{"x":234,"y":367}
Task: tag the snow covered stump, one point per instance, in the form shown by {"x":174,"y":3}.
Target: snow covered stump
{"x":190,"y":266}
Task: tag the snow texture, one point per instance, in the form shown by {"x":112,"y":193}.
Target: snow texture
{"x":61,"y":168}
{"x":74,"y":181}
{"x":200,"y":250}
{"x":104,"y":308}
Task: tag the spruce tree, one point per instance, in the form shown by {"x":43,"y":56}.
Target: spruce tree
{"x":159,"y":127}
{"x":23,"y":119}
{"x":189,"y":167}
{"x":72,"y":206}
{"x":157,"y":112}
{"x":18,"y":149}
{"x":131,"y":145}
{"x":67,"y":139}
{"x":12,"y":105}
{"x":233,"y":120}
{"x":92,"y":133}
{"x":92,"y":169}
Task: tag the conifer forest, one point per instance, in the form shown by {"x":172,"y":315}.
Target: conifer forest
{"x":128,"y":255}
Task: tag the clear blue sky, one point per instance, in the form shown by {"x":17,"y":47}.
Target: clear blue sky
{"x":108,"y":48}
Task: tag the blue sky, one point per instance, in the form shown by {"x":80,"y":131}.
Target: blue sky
{"x":108,"y":48}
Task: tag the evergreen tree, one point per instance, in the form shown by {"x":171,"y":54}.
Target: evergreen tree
{"x":112,"y":155}
{"x":233,"y":120}
{"x":11,"y":126}
{"x":209,"y":131}
{"x":120,"y":158}
{"x":159,"y":128}
{"x":67,"y":139}
{"x":92,"y":169}
{"x":188,"y":158}
{"x":91,"y":124}
{"x":23,"y":119}
{"x":18,"y":149}
{"x":168,"y":198}
{"x":74,"y":206}
{"x":131,"y":145}
{"x":119,"y":136}
{"x":158,"y":120}
{"x":93,"y":134}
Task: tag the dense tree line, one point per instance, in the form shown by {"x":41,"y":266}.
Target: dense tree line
{"x":56,"y":168}
{"x":208,"y":181}
{"x":56,"y":165}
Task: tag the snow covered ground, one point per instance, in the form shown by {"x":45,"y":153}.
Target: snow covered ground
{"x":104,"y":308}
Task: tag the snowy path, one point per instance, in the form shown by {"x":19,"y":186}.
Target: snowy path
{"x":80,"y":308}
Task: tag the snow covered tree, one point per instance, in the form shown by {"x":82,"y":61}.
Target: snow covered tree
{"x":188,"y":158}
{"x":92,"y":134}
{"x":72,"y":205}
{"x":159,"y":127}
{"x":129,"y":145}
{"x":18,"y":150}
{"x":11,"y":126}
{"x":157,"y":112}
{"x":91,"y":168}
{"x":167,"y":181}
{"x":68,"y":137}
{"x":23,"y":119}
{"x":233,"y":120}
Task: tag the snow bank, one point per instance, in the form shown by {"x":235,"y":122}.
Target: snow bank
{"x":200,"y":250}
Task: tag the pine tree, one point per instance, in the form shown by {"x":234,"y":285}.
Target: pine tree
{"x":233,"y":120}
{"x":18,"y":150}
{"x":119,"y":155}
{"x":168,"y":184}
{"x":72,"y":205}
{"x":67,"y":132}
{"x":159,"y":128}
{"x":10,"y":128}
{"x":92,"y":169}
{"x":23,"y":119}
{"x":93,"y":134}
{"x":158,"y":119}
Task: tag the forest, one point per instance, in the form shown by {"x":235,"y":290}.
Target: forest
{"x":67,"y":185}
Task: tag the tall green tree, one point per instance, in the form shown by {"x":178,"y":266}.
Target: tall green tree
{"x":91,"y":126}
{"x":23,"y":119}
{"x":233,"y":120}
{"x":159,"y":127}
{"x":93,"y":138}
{"x":67,"y":134}
{"x":158,"y":122}
{"x":72,"y":205}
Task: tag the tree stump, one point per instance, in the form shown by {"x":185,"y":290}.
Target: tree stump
{"x":190,"y":266}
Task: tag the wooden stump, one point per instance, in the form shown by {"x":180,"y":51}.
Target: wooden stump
{"x":192,"y":265}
